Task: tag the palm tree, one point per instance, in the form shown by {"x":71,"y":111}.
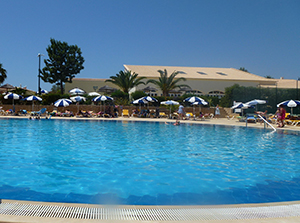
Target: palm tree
{"x":166,"y":83}
{"x":126,"y":80}
{"x":2,"y":74}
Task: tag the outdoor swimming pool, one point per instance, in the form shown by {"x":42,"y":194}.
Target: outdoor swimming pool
{"x":141,"y":163}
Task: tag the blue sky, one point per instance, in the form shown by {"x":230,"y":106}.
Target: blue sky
{"x":261,"y":35}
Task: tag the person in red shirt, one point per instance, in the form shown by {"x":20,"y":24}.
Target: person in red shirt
{"x":281,"y":116}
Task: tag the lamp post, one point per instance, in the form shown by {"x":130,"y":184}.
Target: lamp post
{"x":297,"y":87}
{"x":39,"y":75}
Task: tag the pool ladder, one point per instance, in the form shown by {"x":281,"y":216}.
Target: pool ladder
{"x":265,"y":122}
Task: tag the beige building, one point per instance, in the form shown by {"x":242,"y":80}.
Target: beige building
{"x":202,"y":80}
{"x":284,"y":83}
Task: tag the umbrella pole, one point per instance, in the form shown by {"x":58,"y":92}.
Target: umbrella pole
{"x":194,"y":111}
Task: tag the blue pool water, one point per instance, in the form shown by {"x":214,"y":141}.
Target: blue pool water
{"x":108,"y":162}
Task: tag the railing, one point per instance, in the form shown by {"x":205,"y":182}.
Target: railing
{"x":262,"y":118}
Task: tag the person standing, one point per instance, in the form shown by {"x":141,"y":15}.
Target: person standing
{"x":281,"y":116}
{"x":217,"y":111}
{"x":181,"y":111}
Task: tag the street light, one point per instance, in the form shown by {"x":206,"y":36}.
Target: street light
{"x":39,"y":75}
{"x":297,"y":87}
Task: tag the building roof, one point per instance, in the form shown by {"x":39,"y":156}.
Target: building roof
{"x":284,"y":83}
{"x":205,"y":73}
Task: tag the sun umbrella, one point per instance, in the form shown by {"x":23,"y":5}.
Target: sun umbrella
{"x":43,"y":92}
{"x":169,"y":102}
{"x":93,"y":94}
{"x":290,"y":103}
{"x":14,"y":97}
{"x":150,"y":99}
{"x":140,"y":101}
{"x":33,"y":98}
{"x":193,"y":99}
{"x":256,"y":101}
{"x":62,"y":102}
{"x":78,"y":99}
{"x":199,"y":103}
{"x":149,"y":89}
{"x":106,"y":89}
{"x":7,"y":86}
{"x":76,"y":91}
{"x":241,"y":105}
{"x":102,"y":98}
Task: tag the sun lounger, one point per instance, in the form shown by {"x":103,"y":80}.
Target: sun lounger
{"x":175,"y":115}
{"x":189,"y":115}
{"x":39,"y":113}
{"x":208,"y":116}
{"x":162,"y":115}
{"x":251,"y":119}
{"x":125,"y":112}
{"x":2,"y":112}
{"x":200,"y":117}
{"x":22,"y":112}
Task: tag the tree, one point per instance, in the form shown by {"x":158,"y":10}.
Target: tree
{"x":56,"y":89}
{"x":269,"y":77}
{"x":244,"y":69}
{"x":227,"y":100}
{"x":166,"y":83}
{"x":126,"y":80}
{"x":63,"y":64}
{"x":2,"y":74}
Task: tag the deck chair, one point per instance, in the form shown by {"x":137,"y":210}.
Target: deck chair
{"x":39,"y":113}
{"x":208,"y":116}
{"x":199,"y":116}
{"x":189,"y":115}
{"x":162,"y":115}
{"x":251,"y":119}
{"x":125,"y":112}
{"x":2,"y":112}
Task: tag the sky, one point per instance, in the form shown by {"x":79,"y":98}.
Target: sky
{"x":262,"y":36}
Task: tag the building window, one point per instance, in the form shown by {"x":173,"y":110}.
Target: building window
{"x":218,"y":94}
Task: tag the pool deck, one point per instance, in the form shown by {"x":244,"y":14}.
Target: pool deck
{"x":29,"y":211}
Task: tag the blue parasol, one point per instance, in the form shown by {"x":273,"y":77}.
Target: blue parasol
{"x":62,"y":102}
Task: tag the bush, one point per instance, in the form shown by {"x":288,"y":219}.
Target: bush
{"x":118,"y":94}
{"x":138,"y":94}
{"x":50,"y":98}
